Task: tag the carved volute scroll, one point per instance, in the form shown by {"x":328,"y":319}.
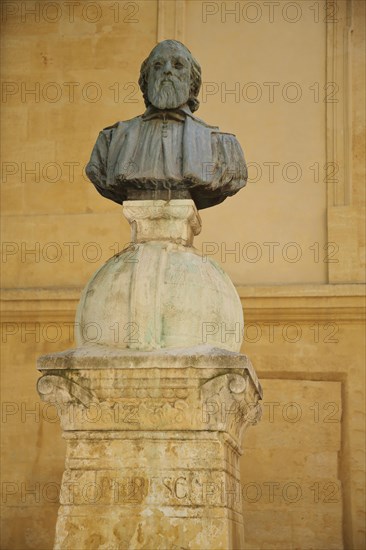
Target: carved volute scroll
{"x":231,"y":404}
{"x":60,"y":390}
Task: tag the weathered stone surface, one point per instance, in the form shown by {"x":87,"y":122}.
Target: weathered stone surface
{"x":153,"y":446}
{"x":175,"y":220}
{"x":160,"y":292}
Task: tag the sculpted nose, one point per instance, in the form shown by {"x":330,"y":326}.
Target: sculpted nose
{"x":168,"y":68}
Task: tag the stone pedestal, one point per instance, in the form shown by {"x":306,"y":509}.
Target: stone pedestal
{"x":153,"y":446}
{"x":159,"y":292}
{"x":155,"y":399}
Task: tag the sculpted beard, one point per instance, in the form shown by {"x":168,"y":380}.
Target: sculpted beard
{"x":168,"y":95}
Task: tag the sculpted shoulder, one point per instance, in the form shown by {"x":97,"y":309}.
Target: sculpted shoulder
{"x":203,"y":123}
{"x":118,"y":124}
{"x":215,"y":129}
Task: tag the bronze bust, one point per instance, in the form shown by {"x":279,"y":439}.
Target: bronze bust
{"x":168,"y":153}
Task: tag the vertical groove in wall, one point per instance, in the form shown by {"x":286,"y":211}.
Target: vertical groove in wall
{"x":337,"y":95}
{"x":347,"y":105}
{"x":180,"y":12}
{"x":171,"y":20}
{"x":161,"y":21}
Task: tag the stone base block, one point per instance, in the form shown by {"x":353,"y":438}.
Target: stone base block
{"x":153,"y":446}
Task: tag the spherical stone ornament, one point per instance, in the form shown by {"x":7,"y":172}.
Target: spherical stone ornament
{"x":160,"y":295}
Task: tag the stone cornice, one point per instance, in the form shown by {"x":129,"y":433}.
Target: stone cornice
{"x":281,"y":303}
{"x":304,"y":303}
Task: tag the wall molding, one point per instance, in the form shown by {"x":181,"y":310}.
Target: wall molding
{"x":280,"y":303}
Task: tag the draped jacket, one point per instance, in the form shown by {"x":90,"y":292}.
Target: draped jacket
{"x":193,"y":156}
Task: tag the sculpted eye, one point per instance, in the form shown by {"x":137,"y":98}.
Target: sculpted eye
{"x":178,"y":65}
{"x":157,"y":65}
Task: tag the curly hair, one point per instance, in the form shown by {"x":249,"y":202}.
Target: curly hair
{"x":196,"y":79}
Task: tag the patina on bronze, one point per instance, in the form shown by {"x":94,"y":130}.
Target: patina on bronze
{"x":168,"y":153}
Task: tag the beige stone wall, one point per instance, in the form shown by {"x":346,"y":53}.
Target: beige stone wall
{"x":298,"y":246}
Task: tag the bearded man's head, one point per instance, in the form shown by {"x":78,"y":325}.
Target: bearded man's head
{"x":170,"y":77}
